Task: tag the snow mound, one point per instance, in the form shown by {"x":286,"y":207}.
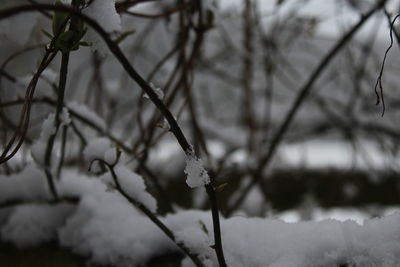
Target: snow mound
{"x":104,"y":227}
{"x":32,"y":224}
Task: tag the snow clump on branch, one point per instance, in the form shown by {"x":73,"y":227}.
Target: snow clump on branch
{"x":105,"y":14}
{"x":132,"y":184}
{"x":100,"y":148}
{"x":196,"y":173}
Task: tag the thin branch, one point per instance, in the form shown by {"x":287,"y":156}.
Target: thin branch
{"x":57,"y":122}
{"x":379,"y":96}
{"x":22,"y":128}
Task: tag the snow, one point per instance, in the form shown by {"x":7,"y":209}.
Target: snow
{"x":104,"y":13}
{"x":159,"y":92}
{"x":32,"y":224}
{"x":107,"y":229}
{"x":17,"y":28}
{"x":195,"y":171}
{"x":264,"y":242}
{"x":100,"y":148}
{"x":48,"y":74}
{"x":75,"y":184}
{"x":247,"y":241}
{"x":97,"y":148}
{"x":65,"y":117}
{"x":110,"y":156}
{"x":87,"y":113}
{"x":38,"y":149}
{"x":133,"y":185}
{"x":29,"y":184}
{"x":198,"y":243}
{"x":335,"y":154}
{"x":48,"y":128}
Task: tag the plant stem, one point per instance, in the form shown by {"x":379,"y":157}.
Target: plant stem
{"x":216,"y":224}
{"x":62,"y":149}
{"x":57,"y":122}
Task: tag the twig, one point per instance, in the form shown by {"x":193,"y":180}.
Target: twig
{"x":62,"y":150}
{"x":20,"y":132}
{"x":247,"y":78}
{"x":379,"y":79}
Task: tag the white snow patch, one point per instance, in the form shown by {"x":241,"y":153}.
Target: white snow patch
{"x":111,"y":232}
{"x":264,"y":242}
{"x":38,"y":151}
{"x":75,"y":184}
{"x":48,"y":128}
{"x":195,"y":171}
{"x":110,"y":156}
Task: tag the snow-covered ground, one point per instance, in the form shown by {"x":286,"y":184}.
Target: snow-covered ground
{"x":107,"y":229}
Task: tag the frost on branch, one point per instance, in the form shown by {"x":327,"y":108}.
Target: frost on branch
{"x":195,"y":171}
{"x":159,"y":92}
